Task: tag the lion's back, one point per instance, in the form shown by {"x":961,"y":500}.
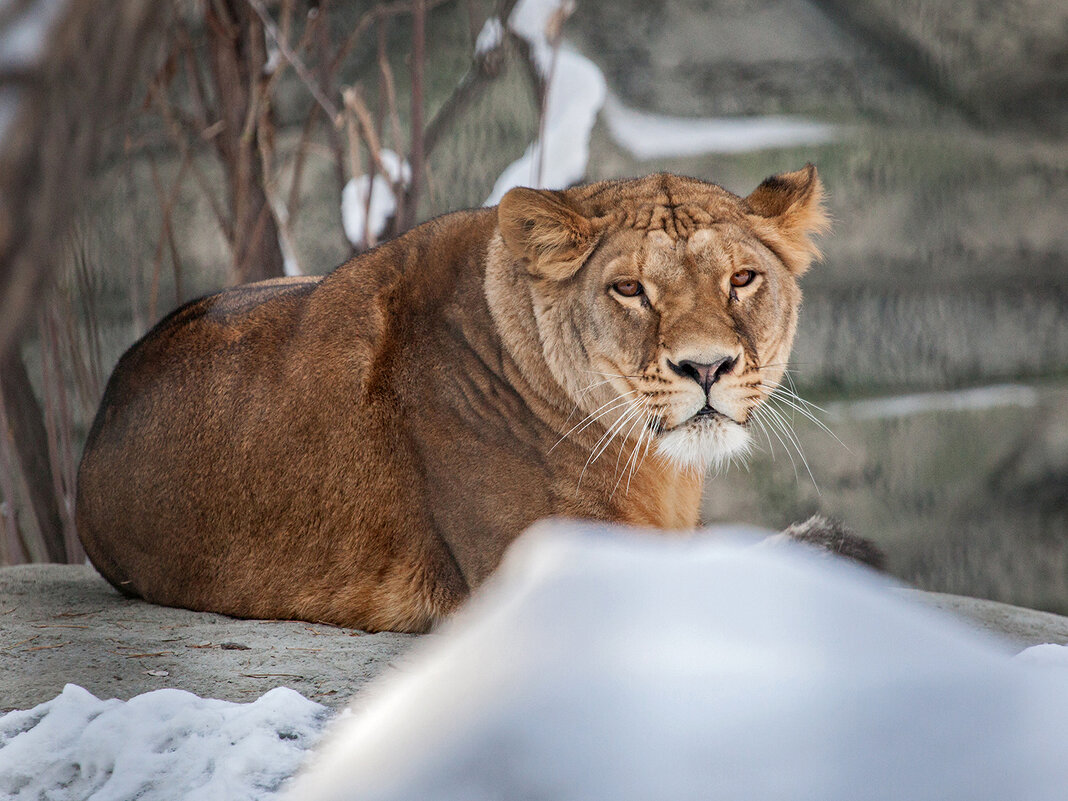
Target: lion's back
{"x":179,"y":402}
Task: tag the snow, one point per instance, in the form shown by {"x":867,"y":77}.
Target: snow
{"x":531,"y":20}
{"x":650,"y":136}
{"x":976,"y":399}
{"x":290,"y":265}
{"x":606,"y":664}
{"x":576,"y":91}
{"x":1047,"y":655}
{"x":383,"y":203}
{"x":602,"y":662}
{"x":23,"y":38}
{"x":490,"y":37}
{"x":166,"y":745}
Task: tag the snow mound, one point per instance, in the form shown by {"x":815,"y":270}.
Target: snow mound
{"x":600,"y":663}
{"x":165,"y":745}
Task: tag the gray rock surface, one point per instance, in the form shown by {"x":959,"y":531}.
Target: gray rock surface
{"x":1021,"y":627}
{"x":64,"y":623}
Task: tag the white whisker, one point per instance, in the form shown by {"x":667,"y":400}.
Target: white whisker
{"x":593,"y":416}
{"x":802,"y":407}
{"x":640,"y":419}
{"x":788,"y":430}
{"x":607,"y":437}
{"x":769,"y":425}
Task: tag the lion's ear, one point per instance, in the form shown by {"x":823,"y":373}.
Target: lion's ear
{"x":543,"y":228}
{"x":787,"y":212}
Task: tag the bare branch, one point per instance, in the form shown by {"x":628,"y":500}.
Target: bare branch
{"x":485,"y":68}
{"x":299,"y":157}
{"x":390,"y":87}
{"x":28,"y":433}
{"x":355,"y":104}
{"x":14,"y":549}
{"x":295,"y":61}
{"x":381,"y":11}
{"x":416,"y":156}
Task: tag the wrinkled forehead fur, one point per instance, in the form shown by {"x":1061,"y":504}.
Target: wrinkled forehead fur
{"x":685,"y":237}
{"x":783,"y":213}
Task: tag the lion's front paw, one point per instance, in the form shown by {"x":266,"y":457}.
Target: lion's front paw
{"x":834,"y":537}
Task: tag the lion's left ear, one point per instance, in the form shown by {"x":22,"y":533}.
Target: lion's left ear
{"x":543,"y":228}
{"x":787,"y":210}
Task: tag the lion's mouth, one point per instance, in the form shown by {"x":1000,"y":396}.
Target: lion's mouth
{"x":707,"y":415}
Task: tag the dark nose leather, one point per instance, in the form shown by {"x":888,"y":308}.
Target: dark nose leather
{"x":704,"y":374}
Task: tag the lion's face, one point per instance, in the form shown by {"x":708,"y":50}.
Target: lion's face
{"x":675,"y":318}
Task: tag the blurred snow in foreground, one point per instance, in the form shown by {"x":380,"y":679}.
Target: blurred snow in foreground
{"x":603,"y":663}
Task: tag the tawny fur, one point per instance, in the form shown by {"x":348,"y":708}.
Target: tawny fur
{"x":360,"y":449}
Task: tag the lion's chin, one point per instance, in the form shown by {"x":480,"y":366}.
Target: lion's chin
{"x":703,"y":444}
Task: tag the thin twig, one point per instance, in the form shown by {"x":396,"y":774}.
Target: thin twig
{"x":166,"y":235}
{"x":415,"y":152}
{"x":483,"y":71}
{"x":15,"y":550}
{"x":295,"y":61}
{"x":390,"y":86}
{"x":369,"y":17}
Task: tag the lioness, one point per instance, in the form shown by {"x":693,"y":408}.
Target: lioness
{"x":361,"y":448}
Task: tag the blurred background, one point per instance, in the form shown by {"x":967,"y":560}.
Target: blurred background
{"x":153,"y":152}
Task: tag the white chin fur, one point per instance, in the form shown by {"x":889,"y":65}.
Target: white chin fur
{"x":703,"y":446}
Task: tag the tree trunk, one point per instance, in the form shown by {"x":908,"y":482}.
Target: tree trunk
{"x":28,"y":434}
{"x":237,"y":52}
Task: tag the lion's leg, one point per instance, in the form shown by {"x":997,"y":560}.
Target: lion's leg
{"x":411,"y":591}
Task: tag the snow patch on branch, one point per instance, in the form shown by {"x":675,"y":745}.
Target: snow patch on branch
{"x":490,"y":37}
{"x":354,"y":209}
{"x":575,"y":93}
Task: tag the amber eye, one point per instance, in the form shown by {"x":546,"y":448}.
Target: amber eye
{"x":628,"y":289}
{"x":742,"y":278}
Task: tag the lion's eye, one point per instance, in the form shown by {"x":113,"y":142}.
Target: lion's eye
{"x":742,"y":278}
{"x":628,"y":289}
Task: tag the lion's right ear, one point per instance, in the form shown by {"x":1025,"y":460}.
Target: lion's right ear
{"x":543,"y":228}
{"x":787,"y":211}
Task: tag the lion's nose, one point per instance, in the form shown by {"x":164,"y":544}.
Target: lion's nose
{"x":704,"y":374}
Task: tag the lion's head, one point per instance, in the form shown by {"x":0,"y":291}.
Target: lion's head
{"x":667,"y":306}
